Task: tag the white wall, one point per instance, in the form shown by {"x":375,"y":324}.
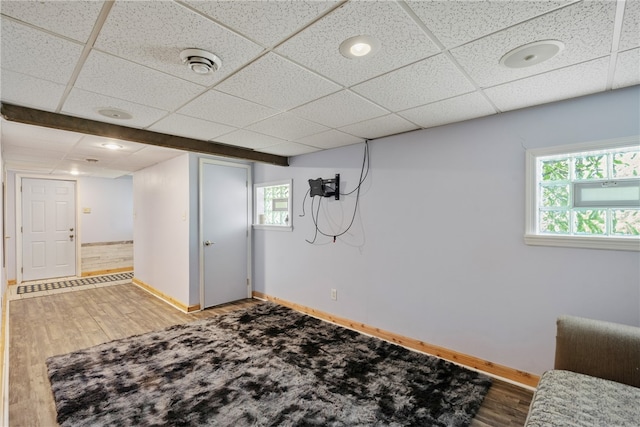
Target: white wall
{"x":437,"y":250}
{"x":111,"y":204}
{"x":162,"y":217}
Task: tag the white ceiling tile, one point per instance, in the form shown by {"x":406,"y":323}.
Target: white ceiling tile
{"x":248,"y":139}
{"x":153,"y":33}
{"x":222,"y":108}
{"x":287,"y":126}
{"x":339,"y":109}
{"x":23,"y":153}
{"x":38,"y":137}
{"x":97,"y":159}
{"x":465,"y":107}
{"x":630,"y":36}
{"x":109,"y":173}
{"x":94,"y":146}
{"x":570,"y":82}
{"x":295,"y":92}
{"x":289,"y":149}
{"x":73,"y":19}
{"x":28,"y":166}
{"x":426,"y":81}
{"x":30,"y":91}
{"x":148,"y":156}
{"x":87,"y":169}
{"x":379,"y":127}
{"x":458,"y":22}
{"x":266,"y":22}
{"x":402,"y":41}
{"x":330,"y":139}
{"x":190,"y":127}
{"x":36,"y":53}
{"x":627,"y":69}
{"x":116,"y":77}
{"x":86,"y":104}
{"x":278,"y":83}
{"x":580,"y":27}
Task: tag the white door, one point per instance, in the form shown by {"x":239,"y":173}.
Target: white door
{"x":224,"y":193}
{"x":48,"y":228}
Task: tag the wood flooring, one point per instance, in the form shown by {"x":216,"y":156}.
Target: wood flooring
{"x":60,"y":323}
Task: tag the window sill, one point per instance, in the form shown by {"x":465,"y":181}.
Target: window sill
{"x":607,"y":243}
{"x":273,"y":227}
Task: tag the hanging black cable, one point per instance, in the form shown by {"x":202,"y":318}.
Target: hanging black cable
{"x":303,"y":201}
{"x":315,"y":220}
{"x":363,"y":176}
{"x":362,"y":179}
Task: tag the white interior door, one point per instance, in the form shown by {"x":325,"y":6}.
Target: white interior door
{"x":224,"y":193}
{"x":48,"y":228}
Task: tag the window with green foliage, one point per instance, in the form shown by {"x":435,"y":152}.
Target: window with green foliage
{"x":273,"y":205}
{"x":591,"y":193}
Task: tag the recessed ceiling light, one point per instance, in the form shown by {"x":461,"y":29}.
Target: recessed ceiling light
{"x":359,"y":46}
{"x":114,"y":113}
{"x":112,"y":146}
{"x":74,"y":172}
{"x":532,"y":54}
{"x":200,"y":61}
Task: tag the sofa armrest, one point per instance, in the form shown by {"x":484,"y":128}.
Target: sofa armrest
{"x":600,"y":349}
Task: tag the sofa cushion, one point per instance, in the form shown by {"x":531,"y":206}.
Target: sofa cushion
{"x":600,"y":349}
{"x":565,"y":398}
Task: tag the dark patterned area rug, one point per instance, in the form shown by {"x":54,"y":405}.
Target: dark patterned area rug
{"x":263,"y":366}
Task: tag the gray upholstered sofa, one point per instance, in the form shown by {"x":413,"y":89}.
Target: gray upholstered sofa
{"x":596,"y":380}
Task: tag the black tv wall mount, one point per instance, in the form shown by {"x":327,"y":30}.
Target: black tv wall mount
{"x":325,"y":187}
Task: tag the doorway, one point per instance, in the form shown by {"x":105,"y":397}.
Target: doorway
{"x":225,"y":206}
{"x":48,"y":243}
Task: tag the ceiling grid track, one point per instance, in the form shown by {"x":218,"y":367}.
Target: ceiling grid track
{"x":615,"y":42}
{"x":88,"y":46}
{"x":291,"y":82}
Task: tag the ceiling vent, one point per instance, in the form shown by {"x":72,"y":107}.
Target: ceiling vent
{"x":200,"y":61}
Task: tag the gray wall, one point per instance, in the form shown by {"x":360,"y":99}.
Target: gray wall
{"x":437,"y":253}
{"x":111,"y":204}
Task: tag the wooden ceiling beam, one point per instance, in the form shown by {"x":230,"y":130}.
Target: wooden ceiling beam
{"x":16,"y":113}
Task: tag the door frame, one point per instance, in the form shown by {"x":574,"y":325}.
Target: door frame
{"x":201,"y":163}
{"x":18,"y":207}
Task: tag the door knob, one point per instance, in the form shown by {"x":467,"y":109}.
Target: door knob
{"x":71,"y":229}
{"x":71,"y":237}
{"x":209,"y":243}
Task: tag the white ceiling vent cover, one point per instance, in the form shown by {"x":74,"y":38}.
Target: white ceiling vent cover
{"x":200,"y":61}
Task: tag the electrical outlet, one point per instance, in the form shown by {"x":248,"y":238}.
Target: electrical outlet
{"x":334,"y":294}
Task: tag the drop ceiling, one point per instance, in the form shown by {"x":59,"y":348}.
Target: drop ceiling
{"x":283,"y":87}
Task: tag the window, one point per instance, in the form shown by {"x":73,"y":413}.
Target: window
{"x":273,"y":205}
{"x":585,"y":196}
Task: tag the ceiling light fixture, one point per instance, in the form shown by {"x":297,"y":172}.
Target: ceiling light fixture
{"x":200,"y":61}
{"x":115,"y":113}
{"x":112,"y":146}
{"x":359,"y":46}
{"x":531,"y":54}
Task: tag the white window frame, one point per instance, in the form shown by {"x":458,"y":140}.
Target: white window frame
{"x":256,"y":224}
{"x":532,"y":237}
